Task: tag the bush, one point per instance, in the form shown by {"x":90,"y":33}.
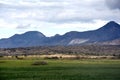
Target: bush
{"x":55,"y":57}
{"x":2,"y":61}
{"x":20,"y":58}
{"x":40,"y":63}
{"x":1,"y":56}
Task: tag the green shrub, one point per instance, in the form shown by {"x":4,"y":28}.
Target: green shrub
{"x":40,"y":63}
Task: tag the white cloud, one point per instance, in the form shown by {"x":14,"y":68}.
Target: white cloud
{"x":4,"y":24}
{"x":55,"y":16}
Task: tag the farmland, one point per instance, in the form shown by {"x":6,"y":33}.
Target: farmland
{"x":62,"y":69}
{"x":60,"y":63}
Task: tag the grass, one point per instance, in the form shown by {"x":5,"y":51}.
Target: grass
{"x":88,"y":69}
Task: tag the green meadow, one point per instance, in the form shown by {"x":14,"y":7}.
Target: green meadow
{"x":84,"y":69}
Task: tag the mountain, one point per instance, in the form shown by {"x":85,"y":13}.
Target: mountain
{"x":110,"y":31}
{"x":31,"y":38}
{"x":109,"y":34}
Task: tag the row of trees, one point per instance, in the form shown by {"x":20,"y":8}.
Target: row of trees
{"x":83,"y":50}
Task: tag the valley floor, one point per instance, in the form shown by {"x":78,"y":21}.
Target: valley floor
{"x":84,"y":69}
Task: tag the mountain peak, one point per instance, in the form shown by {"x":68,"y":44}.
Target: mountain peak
{"x":112,"y":22}
{"x":28,"y":35}
{"x":33,"y":33}
{"x":112,"y":25}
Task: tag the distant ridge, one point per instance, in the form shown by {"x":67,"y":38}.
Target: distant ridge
{"x":109,"y":34}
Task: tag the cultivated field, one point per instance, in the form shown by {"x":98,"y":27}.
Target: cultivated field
{"x":62,"y":69}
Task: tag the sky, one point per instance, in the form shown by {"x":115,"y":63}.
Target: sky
{"x":55,"y":16}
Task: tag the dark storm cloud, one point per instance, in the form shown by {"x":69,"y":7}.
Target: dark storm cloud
{"x":113,"y":4}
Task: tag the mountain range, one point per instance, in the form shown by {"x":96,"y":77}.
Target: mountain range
{"x":109,"y":34}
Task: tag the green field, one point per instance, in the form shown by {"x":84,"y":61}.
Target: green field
{"x":89,"y":69}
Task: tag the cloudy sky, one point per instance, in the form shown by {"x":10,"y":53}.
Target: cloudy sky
{"x":55,"y":16}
